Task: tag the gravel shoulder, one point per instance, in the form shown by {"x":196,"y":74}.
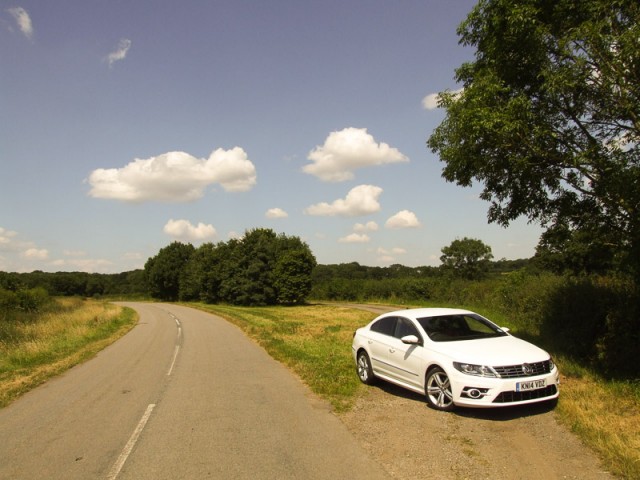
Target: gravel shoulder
{"x":410,"y":440}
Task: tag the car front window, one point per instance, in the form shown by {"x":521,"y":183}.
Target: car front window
{"x":448,"y":328}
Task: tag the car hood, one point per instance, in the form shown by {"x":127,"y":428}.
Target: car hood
{"x":498,"y":351}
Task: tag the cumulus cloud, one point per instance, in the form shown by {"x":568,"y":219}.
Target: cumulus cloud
{"x":23,"y":21}
{"x":184,"y":230}
{"x":403,"y":219}
{"x":6,"y":236}
{"x":347,"y":150}
{"x":355,"y":238}
{"x":120,"y":53}
{"x":430,"y":102}
{"x":36,"y":254}
{"x":276,"y":213}
{"x":174,"y":177}
{"x":366,"y":227}
{"x":361,"y":200}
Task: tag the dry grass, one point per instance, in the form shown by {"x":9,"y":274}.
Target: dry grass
{"x":606,"y":416}
{"x":36,"y":347}
{"x":315,"y":341}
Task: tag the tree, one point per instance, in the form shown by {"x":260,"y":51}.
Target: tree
{"x":549,"y":116}
{"x":292,"y":275}
{"x":163,"y":271}
{"x":467,"y":258}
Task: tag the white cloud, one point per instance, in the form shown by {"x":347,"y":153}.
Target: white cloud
{"x":120,"y":53}
{"x":184,"y":230}
{"x":430,"y":102}
{"x":403,"y":219}
{"x":276,"y":213}
{"x":394,"y":251}
{"x":347,"y":150}
{"x":6,"y":236}
{"x":367,"y":227}
{"x":361,"y":200}
{"x":36,"y":254}
{"x":23,"y":21}
{"x":355,"y":238}
{"x":174,"y":177}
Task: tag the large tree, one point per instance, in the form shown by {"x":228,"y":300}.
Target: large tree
{"x":467,"y":258}
{"x":548,"y":120}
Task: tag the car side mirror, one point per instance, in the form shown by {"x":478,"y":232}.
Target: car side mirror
{"x":410,"y":340}
{"x":504,"y":329}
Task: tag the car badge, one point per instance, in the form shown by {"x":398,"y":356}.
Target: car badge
{"x":527,"y":369}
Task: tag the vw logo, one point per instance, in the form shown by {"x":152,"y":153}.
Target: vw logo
{"x":527,"y":369}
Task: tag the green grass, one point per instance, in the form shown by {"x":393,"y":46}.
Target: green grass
{"x":315,"y":342}
{"x":36,"y":346}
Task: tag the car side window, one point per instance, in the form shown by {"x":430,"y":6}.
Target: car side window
{"x":404,"y":327}
{"x":386,"y":326}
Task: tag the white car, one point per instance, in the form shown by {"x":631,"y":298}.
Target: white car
{"x":455,"y":357}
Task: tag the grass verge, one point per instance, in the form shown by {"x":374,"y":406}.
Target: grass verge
{"x":35,"y":347}
{"x":315,"y":342}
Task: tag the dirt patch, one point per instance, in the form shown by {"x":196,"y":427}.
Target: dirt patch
{"x":411,"y":440}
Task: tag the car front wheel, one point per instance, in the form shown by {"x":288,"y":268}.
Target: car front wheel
{"x":365,"y":372}
{"x":438,"y":390}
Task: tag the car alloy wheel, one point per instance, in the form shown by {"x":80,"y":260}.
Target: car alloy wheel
{"x":438,"y":390}
{"x":365,"y":373}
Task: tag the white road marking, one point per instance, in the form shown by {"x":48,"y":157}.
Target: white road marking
{"x":173,"y":362}
{"x":115,"y":470}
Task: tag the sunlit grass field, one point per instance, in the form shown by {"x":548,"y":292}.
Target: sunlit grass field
{"x":37,"y":346}
{"x":315,"y":342}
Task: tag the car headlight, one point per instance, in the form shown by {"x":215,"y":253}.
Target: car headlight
{"x":552,"y":364}
{"x":477,"y":370}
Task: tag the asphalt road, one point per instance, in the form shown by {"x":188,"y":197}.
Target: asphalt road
{"x":184,"y":395}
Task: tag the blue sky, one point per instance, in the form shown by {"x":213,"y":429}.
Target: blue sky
{"x":128,"y":125}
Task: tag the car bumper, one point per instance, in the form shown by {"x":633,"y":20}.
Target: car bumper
{"x":482,"y":392}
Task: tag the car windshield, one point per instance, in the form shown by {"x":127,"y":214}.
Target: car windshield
{"x":449,"y":328}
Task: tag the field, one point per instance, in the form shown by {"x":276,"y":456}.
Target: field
{"x":314,"y":341}
{"x":36,"y":346}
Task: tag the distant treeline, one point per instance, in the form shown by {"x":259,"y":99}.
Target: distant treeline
{"x":135,"y":282}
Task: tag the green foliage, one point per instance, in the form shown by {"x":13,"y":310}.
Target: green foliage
{"x":548,"y":118}
{"x":23,"y":300}
{"x":164,"y":270}
{"x":467,"y":258}
{"x":261,"y":268}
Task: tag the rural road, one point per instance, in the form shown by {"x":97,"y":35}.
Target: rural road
{"x":184,"y":395}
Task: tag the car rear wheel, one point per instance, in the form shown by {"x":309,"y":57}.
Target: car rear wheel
{"x":365,"y":372}
{"x":438,"y":390}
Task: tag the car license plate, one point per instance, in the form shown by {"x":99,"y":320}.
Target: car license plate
{"x":530,"y":385}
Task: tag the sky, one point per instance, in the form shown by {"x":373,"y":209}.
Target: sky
{"x":127,"y":125}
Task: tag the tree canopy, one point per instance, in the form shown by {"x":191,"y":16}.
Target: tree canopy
{"x":467,"y":258}
{"x":548,"y":119}
{"x":261,"y":268}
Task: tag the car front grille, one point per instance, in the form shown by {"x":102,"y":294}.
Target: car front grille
{"x":524,"y":370}
{"x":509,"y":397}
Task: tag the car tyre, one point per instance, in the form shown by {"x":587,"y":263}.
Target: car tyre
{"x":438,"y":390}
{"x":363,"y":366}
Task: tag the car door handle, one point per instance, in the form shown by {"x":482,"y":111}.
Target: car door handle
{"x":392,"y":350}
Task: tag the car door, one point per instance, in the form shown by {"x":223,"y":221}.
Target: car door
{"x":379,"y":343}
{"x":406,"y":361}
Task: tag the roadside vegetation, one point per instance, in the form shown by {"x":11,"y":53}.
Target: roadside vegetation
{"x":41,"y":337}
{"x":315,"y":342}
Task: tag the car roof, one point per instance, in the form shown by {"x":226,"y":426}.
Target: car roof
{"x":426,"y":312}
